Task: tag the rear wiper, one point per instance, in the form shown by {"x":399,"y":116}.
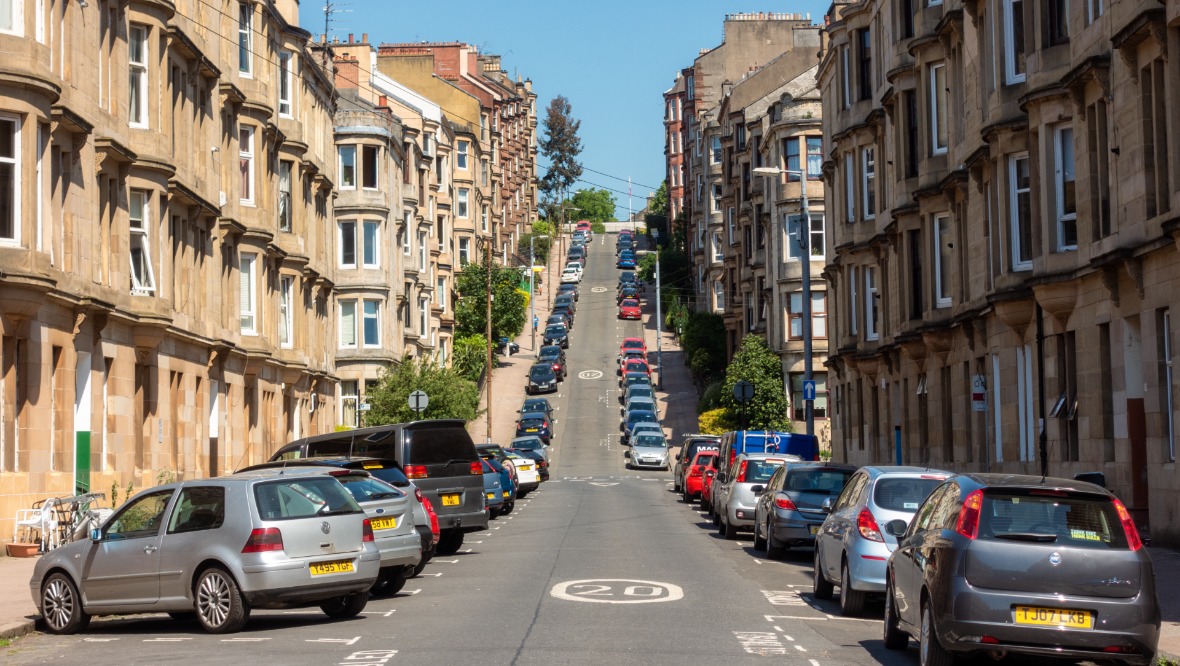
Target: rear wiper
{"x":1039,"y":537}
{"x":452,"y":461}
{"x":377,"y":496}
{"x":336,"y":512}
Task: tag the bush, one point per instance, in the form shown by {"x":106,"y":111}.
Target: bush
{"x":711,"y":398}
{"x":469,"y":356}
{"x":714,"y":422}
{"x":598,"y":227}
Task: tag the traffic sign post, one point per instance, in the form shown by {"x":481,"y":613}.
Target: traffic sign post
{"x":743,"y":393}
{"x":419,"y":401}
{"x":809,"y":390}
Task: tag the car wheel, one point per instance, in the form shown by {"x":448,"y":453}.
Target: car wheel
{"x":492,"y":513}
{"x":61,"y":606}
{"x":450,"y":542}
{"x":773,"y":549}
{"x":930,"y":650}
{"x":820,"y":587}
{"x":705,"y":504}
{"x":219,"y":604}
{"x":714,"y":515}
{"x":895,"y":639}
{"x":390,"y":581}
{"x":759,"y":542}
{"x":523,"y":495}
{"x":342,"y":608}
{"x":852,"y":602}
{"x":507,"y":508}
{"x":420,"y":567}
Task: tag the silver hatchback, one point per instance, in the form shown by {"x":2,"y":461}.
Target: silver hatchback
{"x":216,"y":548}
{"x":734,"y":494}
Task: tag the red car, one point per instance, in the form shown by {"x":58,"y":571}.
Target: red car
{"x":632,"y":343}
{"x":710,"y":473}
{"x":629,"y":309}
{"x":694,"y":480}
{"x":635,"y":365}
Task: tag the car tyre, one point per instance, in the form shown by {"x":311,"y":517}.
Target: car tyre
{"x":820,"y":587}
{"x":390,"y":581}
{"x":507,"y":508}
{"x":219,"y":604}
{"x":450,"y":542}
{"x":420,"y":567}
{"x":759,"y":542}
{"x":61,"y":606}
{"x":730,"y":531}
{"x":852,"y":602}
{"x":894,"y":638}
{"x":930,"y":650}
{"x":773,"y":549}
{"x":342,"y":608}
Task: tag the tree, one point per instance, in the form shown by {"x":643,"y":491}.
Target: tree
{"x":541,"y":243}
{"x":754,"y":362}
{"x":703,"y":341}
{"x":451,"y":395}
{"x":561,"y":145}
{"x":596,"y":205}
{"x":469,"y":356}
{"x":657,"y":214}
{"x":509,"y":303}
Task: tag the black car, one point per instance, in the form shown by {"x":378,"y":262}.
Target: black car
{"x":555,"y":355}
{"x":627,"y":291}
{"x":556,"y":334}
{"x":566,"y":310}
{"x":562,"y":318}
{"x":535,"y":425}
{"x":568,"y":288}
{"x":565,"y":300}
{"x":542,"y":378}
{"x":627,"y":278}
{"x":536,"y":405}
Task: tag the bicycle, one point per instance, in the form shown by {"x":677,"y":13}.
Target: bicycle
{"x":77,"y":516}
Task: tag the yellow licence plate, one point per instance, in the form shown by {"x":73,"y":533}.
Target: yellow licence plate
{"x":383,"y":523}
{"x":814,"y":529}
{"x":1053,"y":617}
{"x":450,"y":499}
{"x":507,"y":493}
{"x":526,"y":468}
{"x":491,"y":495}
{"x":338,"y":566}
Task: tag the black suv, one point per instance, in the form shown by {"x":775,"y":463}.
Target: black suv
{"x":565,"y":300}
{"x":568,"y":288}
{"x":437,"y":455}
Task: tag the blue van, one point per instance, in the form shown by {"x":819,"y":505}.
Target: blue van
{"x":806,"y":447}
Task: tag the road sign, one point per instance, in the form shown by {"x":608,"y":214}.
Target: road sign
{"x":743,"y":391}
{"x":418,"y":401}
{"x":978,"y":393}
{"x":655,"y":234}
{"x":809,"y":389}
{"x":364,"y":407}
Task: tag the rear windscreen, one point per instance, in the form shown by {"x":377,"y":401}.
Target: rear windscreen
{"x":381,"y":444}
{"x":1075,"y":521}
{"x":759,"y":471}
{"x":287,"y":499}
{"x":438,"y":446}
{"x":391,"y":475}
{"x":366,"y":488}
{"x":820,"y":481}
{"x":903,"y":494}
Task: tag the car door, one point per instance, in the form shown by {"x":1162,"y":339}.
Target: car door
{"x":123,"y":567}
{"x":830,"y":540}
{"x":764,"y":507}
{"x":907,"y":562}
{"x":199,"y":511}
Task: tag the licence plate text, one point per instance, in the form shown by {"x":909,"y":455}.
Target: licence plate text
{"x":1053,"y":617}
{"x":450,"y":499}
{"x":338,"y":566}
{"x":814,"y":529}
{"x":383,"y":523}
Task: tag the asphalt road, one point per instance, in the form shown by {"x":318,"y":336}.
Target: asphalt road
{"x":601,"y":565}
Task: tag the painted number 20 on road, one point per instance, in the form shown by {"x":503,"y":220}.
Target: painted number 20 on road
{"x":617,"y":591}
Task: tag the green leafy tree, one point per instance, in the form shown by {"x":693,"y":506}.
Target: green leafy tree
{"x":703,"y":341}
{"x":561,"y":145}
{"x":541,"y":242}
{"x":595,"y":205}
{"x":656,"y":217}
{"x":647,"y":267}
{"x":451,"y":395}
{"x":754,"y":362}
{"x":469,"y":356}
{"x":509,"y":303}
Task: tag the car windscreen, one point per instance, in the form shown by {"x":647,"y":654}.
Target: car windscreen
{"x":759,"y":471}
{"x":540,"y":372}
{"x":819,"y":481}
{"x":630,"y":303}
{"x":436,"y":446}
{"x":307,"y":497}
{"x":633,"y":344}
{"x":555,"y":331}
{"x":1064,"y":519}
{"x":641,"y":416}
{"x":650,"y":441}
{"x":366,"y":488}
{"x":535,"y":405}
{"x":391,"y":475}
{"x":903,"y":494}
{"x":531,"y":443}
{"x":639,"y":391}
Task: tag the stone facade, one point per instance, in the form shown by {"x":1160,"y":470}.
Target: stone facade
{"x":1004,"y":242}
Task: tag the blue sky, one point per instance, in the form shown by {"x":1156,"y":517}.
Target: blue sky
{"x":613,"y":60}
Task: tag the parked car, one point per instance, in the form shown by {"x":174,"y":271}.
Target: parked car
{"x":556,"y":334}
{"x":229,"y":544}
{"x":568,"y":288}
{"x":493,"y":489}
{"x":554,"y":355}
{"x":690,"y":445}
{"x":789,"y":511}
{"x":734,"y":497}
{"x":507,"y":485}
{"x":625,"y":261}
{"x":647,"y":427}
{"x":629,"y":309}
{"x":707,"y":481}
{"x":639,"y":402}
{"x":534,"y":424}
{"x":648,"y":450}
{"x":637,"y":416}
{"x":571,"y":275}
{"x":1023,"y":565}
{"x":632,"y":344}
{"x":565,"y":300}
{"x":531,"y":443}
{"x":694,"y":477}
{"x":563,"y":318}
{"x":578,"y":265}
{"x":536,"y":405}
{"x":638,"y":391}
{"x":632,"y":378}
{"x":528,"y":477}
{"x":850,"y":546}
{"x":564,"y":310}
{"x":437,"y":455}
{"x":805,"y":447}
{"x":627,"y":356}
{"x":506,"y":346}
{"x":627,"y":292}
{"x":627,"y":277}
{"x":636,"y":365}
{"x":541,"y":462}
{"x":542,"y":379}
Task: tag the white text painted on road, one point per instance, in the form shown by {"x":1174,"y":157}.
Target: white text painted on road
{"x":617,"y":591}
{"x":763,"y":643}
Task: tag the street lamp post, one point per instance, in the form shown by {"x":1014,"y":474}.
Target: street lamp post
{"x":802,"y":233}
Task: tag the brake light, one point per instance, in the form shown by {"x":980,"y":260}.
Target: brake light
{"x":784,"y":502}
{"x":968,"y":524}
{"x":477,"y":467}
{"x":416,"y":471}
{"x":367,"y":531}
{"x":264,"y":540}
{"x":741,"y":475}
{"x":1133,"y":540}
{"x":866,"y":524}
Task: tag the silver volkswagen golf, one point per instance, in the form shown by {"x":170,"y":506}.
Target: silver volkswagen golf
{"x":215,"y":549}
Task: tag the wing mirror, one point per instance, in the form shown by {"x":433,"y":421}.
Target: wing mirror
{"x":826,"y":507}
{"x":627,"y":454}
{"x":896,"y":528}
{"x":96,"y":535}
{"x":721,"y":478}
{"x":757,"y":490}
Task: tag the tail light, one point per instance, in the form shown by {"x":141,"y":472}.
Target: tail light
{"x":415,"y":471}
{"x":477,"y":467}
{"x":419,"y":496}
{"x":741,"y":475}
{"x":866,"y":524}
{"x":264,"y":540}
{"x":784,"y":502}
{"x":1133,"y":540}
{"x":968,"y":524}
{"x":367,"y":531}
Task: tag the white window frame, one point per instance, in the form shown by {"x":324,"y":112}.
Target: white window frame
{"x":483,"y":217}
{"x":287,"y":202}
{"x":938,"y":144}
{"x":139,"y":235}
{"x":13,"y":162}
{"x":715,"y":198}
{"x":718,"y":248}
{"x":461,"y":148}
{"x":462,"y":203}
{"x":440,"y":292}
{"x":853,"y":304}
{"x":715,"y":150}
{"x":942,"y":292}
{"x":245,"y":40}
{"x":850,"y":187}
{"x":1169,"y":379}
{"x":845,"y":82}
{"x":700,"y":187}
{"x":422,"y":251}
{"x":366,"y":317}
{"x":868,"y":175}
{"x":464,"y":250}
{"x":407,"y":237}
{"x":817,"y":225}
{"x":246,"y":156}
{"x":372,"y":243}
{"x":718,"y":295}
{"x":872,"y":325}
{"x":1014,"y":193}
{"x":286,"y":311}
{"x":137,"y":77}
{"x":1061,"y":171}
{"x":423,"y":317}
{"x":1011,"y":76}
{"x":729,"y":224}
{"x":16,"y":17}
{"x":286,"y":83}
{"x":342,"y":305}
{"x":1094,"y":10}
{"x":349,"y":401}
{"x":341,"y":151}
{"x":248,"y":292}
{"x":344,"y":229}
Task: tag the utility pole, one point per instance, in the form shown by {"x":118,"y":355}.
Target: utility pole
{"x":488,"y":258}
{"x":659,"y":317}
{"x":532,"y":293}
{"x":630,"y":211}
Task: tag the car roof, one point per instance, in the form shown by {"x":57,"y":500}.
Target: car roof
{"x":1033,"y":482}
{"x":825,"y":465}
{"x":876,"y":471}
{"x":762,"y":455}
{"x":272,"y":470}
{"x":357,"y":462}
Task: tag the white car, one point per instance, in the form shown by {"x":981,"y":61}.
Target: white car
{"x":528,"y":477}
{"x":571,"y":275}
{"x":576,"y":265}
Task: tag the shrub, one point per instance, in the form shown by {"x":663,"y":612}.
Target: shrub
{"x":714,"y":422}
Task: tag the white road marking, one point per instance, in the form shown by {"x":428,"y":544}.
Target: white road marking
{"x":813,"y":662}
{"x":760,"y":642}
{"x":244,"y":640}
{"x":617,"y":591}
{"x":167,"y":640}
{"x":414,"y":591}
{"x":344,"y":641}
{"x":800,"y":648}
{"x":99,"y":640}
{"x":777,"y":628}
{"x":445,"y":561}
{"x":436,"y":575}
{"x":602,"y":485}
{"x":474,"y":542}
{"x":788,"y":637}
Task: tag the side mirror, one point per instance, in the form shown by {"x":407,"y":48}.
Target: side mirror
{"x":721,"y":478}
{"x":757,"y":490}
{"x":826,"y":507}
{"x":95,"y":535}
{"x":626,"y":454}
{"x":896,"y":528}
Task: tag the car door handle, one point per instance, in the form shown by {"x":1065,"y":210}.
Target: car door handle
{"x":148,"y":550}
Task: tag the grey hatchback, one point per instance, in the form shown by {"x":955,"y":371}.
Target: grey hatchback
{"x":216,"y":548}
{"x":1005,"y":564}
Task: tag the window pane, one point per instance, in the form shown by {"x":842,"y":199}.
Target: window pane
{"x":348,"y":243}
{"x":348,"y":166}
{"x":371,"y":243}
{"x":815,"y":156}
{"x":347,"y":323}
{"x":370,"y":154}
{"x":372,"y":321}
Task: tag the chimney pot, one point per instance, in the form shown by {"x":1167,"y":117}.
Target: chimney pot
{"x":350,"y":41}
{"x":364,"y":38}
